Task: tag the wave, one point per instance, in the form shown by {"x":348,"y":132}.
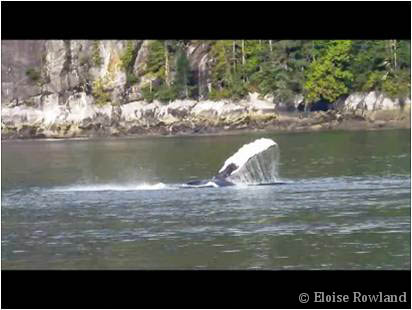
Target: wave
{"x":112,"y":187}
{"x":206,"y":184}
{"x":145,"y":187}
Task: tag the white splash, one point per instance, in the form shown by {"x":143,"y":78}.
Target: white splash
{"x":156,"y":186}
{"x":247,"y":151}
{"x":208,"y":184}
{"x":256,"y":162}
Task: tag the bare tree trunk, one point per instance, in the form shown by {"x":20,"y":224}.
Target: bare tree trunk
{"x":199,"y":81}
{"x":394,"y":52}
{"x":244,"y":58}
{"x":234,"y":55}
{"x":167,"y":69}
{"x":243,"y":53}
{"x":313,"y":50}
{"x":186,"y":88}
{"x":270,"y":46}
{"x":389,"y":50}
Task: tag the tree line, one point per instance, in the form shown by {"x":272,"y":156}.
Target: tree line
{"x":317,"y":69}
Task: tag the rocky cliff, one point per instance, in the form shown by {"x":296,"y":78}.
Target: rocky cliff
{"x":80,"y":88}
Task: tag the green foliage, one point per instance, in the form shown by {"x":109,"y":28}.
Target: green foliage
{"x":131,"y":78}
{"x":165,"y":94}
{"x":366,"y":64}
{"x":319,"y":47}
{"x":126,"y":59}
{"x":148,"y":95}
{"x":100,"y":93}
{"x":229,"y":74}
{"x":318,"y":69}
{"x":328,"y":77}
{"x":216,"y":95}
{"x":183,"y":75}
{"x":374,"y":81}
{"x":274,"y":67}
{"x":404,"y":52}
{"x":255,"y":57}
{"x":236,"y":91}
{"x":221,"y":70}
{"x":391,"y":88}
{"x":33,"y":74}
{"x":397,"y":86}
{"x":96,"y":58}
{"x":269,"y":79}
{"x":167,"y":89}
{"x":237,"y":88}
{"x":156,"y":59}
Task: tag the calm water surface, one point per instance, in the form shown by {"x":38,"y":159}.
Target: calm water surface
{"x":117,"y":204}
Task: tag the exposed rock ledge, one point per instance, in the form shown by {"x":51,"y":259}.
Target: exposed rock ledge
{"x":78,"y":116}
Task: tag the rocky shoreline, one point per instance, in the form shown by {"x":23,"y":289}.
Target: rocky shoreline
{"x":80,"y":89}
{"x":79,"y":118}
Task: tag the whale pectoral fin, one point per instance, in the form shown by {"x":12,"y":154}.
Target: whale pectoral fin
{"x":227,"y":172}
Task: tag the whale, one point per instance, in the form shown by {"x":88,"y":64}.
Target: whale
{"x":218,"y":180}
{"x":252,"y":164}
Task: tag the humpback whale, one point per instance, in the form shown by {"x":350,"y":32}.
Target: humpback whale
{"x":254,"y":163}
{"x":218,"y":180}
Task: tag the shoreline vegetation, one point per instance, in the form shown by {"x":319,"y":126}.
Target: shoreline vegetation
{"x":84,"y":88}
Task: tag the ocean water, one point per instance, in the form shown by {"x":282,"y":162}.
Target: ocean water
{"x":119,"y":204}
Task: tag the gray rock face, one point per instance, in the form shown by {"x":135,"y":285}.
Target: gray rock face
{"x":17,"y":58}
{"x":141,"y":57}
{"x":200,"y":63}
{"x":371,"y":101}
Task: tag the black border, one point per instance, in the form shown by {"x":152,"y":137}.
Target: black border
{"x":195,"y":289}
{"x":206,"y":20}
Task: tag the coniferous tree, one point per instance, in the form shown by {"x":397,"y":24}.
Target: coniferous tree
{"x":183,"y":74}
{"x":319,"y":69}
{"x":329,"y":76}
